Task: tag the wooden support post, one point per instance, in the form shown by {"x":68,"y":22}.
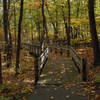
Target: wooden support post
{"x":55,"y":50}
{"x":36,"y":70}
{"x":30,"y":48}
{"x":51,"y":49}
{"x":75,"y":63}
{"x":34,"y":50}
{"x":61,"y":51}
{"x":38,"y":50}
{"x":68,"y":53}
{"x":84,"y":72}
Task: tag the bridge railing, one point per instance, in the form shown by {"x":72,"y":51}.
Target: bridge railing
{"x":43,"y":59}
{"x":33,"y":49}
{"x":80,"y":63}
{"x":39,"y":64}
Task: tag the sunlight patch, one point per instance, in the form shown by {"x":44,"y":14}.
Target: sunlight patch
{"x":43,"y":75}
{"x":43,"y":81}
{"x":28,"y":81}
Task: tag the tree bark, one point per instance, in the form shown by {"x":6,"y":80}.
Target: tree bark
{"x":93,"y":31}
{"x":56,"y":23}
{"x":69,"y":22}
{"x":15,"y":22}
{"x":52,"y":22}
{"x":6,"y":26}
{"x":19,"y":36}
{"x":65,"y":20}
{"x":45,"y":31}
{"x":5,"y":19}
{"x":0,"y":70}
{"x":10,"y":37}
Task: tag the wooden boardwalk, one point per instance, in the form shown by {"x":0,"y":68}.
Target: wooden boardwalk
{"x":58,"y":73}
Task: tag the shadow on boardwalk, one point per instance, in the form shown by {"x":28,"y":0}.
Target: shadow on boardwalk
{"x":59,"y":81}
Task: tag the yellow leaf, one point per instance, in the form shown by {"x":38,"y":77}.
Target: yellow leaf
{"x":52,"y":97}
{"x":67,"y":96}
{"x":97,"y":96}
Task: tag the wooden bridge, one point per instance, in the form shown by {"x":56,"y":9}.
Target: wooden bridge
{"x":41,"y":55}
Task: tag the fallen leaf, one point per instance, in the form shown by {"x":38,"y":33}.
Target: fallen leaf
{"x":67,"y":96}
{"x":52,"y":97}
{"x":97,"y":96}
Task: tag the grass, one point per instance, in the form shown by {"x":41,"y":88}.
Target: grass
{"x":2,"y":98}
{"x":97,"y":78}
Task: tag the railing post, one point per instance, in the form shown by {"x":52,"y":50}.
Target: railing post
{"x":36,"y":70}
{"x":56,"y":50}
{"x":68,"y":52}
{"x":61,"y":51}
{"x":51,"y":49}
{"x":84,"y":72}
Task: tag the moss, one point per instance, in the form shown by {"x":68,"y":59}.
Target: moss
{"x":2,"y":98}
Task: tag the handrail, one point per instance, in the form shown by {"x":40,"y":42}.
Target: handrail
{"x":43,"y":57}
{"x":73,"y":50}
{"x":80,"y":63}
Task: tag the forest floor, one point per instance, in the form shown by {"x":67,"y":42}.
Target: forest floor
{"x":14,"y":85}
{"x":93,"y":72}
{"x":17,"y":87}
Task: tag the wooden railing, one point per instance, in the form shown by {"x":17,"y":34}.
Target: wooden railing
{"x":41,"y":58}
{"x":33,"y":49}
{"x":80,"y":63}
{"x":39,"y":64}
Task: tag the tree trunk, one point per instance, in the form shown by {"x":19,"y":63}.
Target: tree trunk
{"x":38,"y":29}
{"x":0,"y":70}
{"x":52,"y":22}
{"x":56,"y":24}
{"x":69,"y":22}
{"x":45,"y":31}
{"x":78,"y":8}
{"x":19,"y":36}
{"x":5,"y":19}
{"x":65,"y":20}
{"x":15,"y":22}
{"x":5,"y":22}
{"x":10,"y":38}
{"x":94,"y":32}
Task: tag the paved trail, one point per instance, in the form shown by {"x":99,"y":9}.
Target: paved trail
{"x":58,"y":81}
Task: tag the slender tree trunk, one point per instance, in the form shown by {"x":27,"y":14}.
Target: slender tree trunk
{"x":69,"y":22}
{"x":15,"y":22}
{"x":5,"y":22}
{"x":45,"y":31}
{"x":78,"y":8}
{"x":10,"y":37}
{"x":0,"y":70}
{"x":52,"y":22}
{"x":38,"y":28}
{"x":19,"y":36}
{"x":32,"y":32}
{"x":94,"y":32}
{"x":56,"y":30}
{"x":65,"y":20}
{"x":5,"y":19}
